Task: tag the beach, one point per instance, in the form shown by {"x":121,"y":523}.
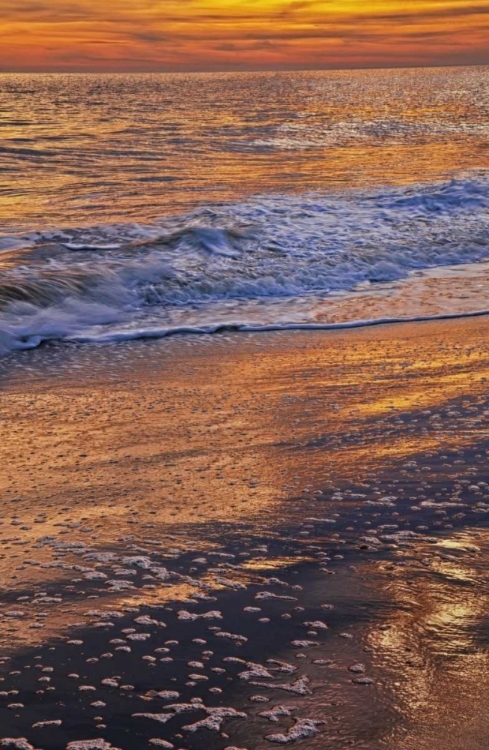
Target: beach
{"x":243,"y":404}
{"x":198,"y":530}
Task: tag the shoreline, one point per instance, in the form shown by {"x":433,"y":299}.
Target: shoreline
{"x":351,"y":464}
{"x":436,"y":294}
{"x":423,"y":296}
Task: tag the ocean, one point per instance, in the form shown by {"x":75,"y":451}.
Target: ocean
{"x":146,"y":205}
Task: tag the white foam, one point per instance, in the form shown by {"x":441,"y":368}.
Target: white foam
{"x":157,"y":333}
{"x":260,"y":265}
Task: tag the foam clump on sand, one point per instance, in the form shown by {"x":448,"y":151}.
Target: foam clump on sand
{"x":213,"y":721}
{"x":97,"y":744}
{"x":357,"y":667}
{"x":162,"y":718}
{"x":302,"y":728}
{"x":299,"y":687}
{"x":317,"y":624}
{"x":231,"y":636}
{"x":165,"y":694}
{"x":269,"y":595}
{"x":282,"y":666}
{"x":277,"y":711}
{"x":363,"y":681}
{"x":191,"y":616}
{"x":255,"y":671}
{"x":215,"y":718}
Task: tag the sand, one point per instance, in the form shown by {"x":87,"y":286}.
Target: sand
{"x":319,"y":499}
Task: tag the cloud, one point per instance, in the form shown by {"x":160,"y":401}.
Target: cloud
{"x":166,"y":34}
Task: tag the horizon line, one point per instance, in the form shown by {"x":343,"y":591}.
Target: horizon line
{"x":243,"y":71}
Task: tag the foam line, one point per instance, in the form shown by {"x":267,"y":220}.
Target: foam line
{"x":158,"y":333}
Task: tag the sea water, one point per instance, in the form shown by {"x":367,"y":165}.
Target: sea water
{"x":148,"y":205}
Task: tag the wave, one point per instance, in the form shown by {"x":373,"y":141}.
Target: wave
{"x":197,"y":271}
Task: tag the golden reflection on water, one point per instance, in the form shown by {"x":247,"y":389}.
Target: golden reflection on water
{"x":159,"y":144}
{"x":431,"y":642}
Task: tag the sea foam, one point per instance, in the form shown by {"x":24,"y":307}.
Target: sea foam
{"x":202,"y":271}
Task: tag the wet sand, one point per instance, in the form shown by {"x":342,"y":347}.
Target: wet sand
{"x":178,"y":513}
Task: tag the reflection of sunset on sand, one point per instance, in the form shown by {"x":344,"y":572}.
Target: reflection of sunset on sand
{"x":205,"y":437}
{"x":168,"y":443}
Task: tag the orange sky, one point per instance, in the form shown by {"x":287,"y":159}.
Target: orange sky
{"x":147,"y":35}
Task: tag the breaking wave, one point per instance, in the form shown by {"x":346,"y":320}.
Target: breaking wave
{"x":205,"y":271}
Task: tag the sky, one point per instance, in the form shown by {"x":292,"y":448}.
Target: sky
{"x":206,"y":35}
